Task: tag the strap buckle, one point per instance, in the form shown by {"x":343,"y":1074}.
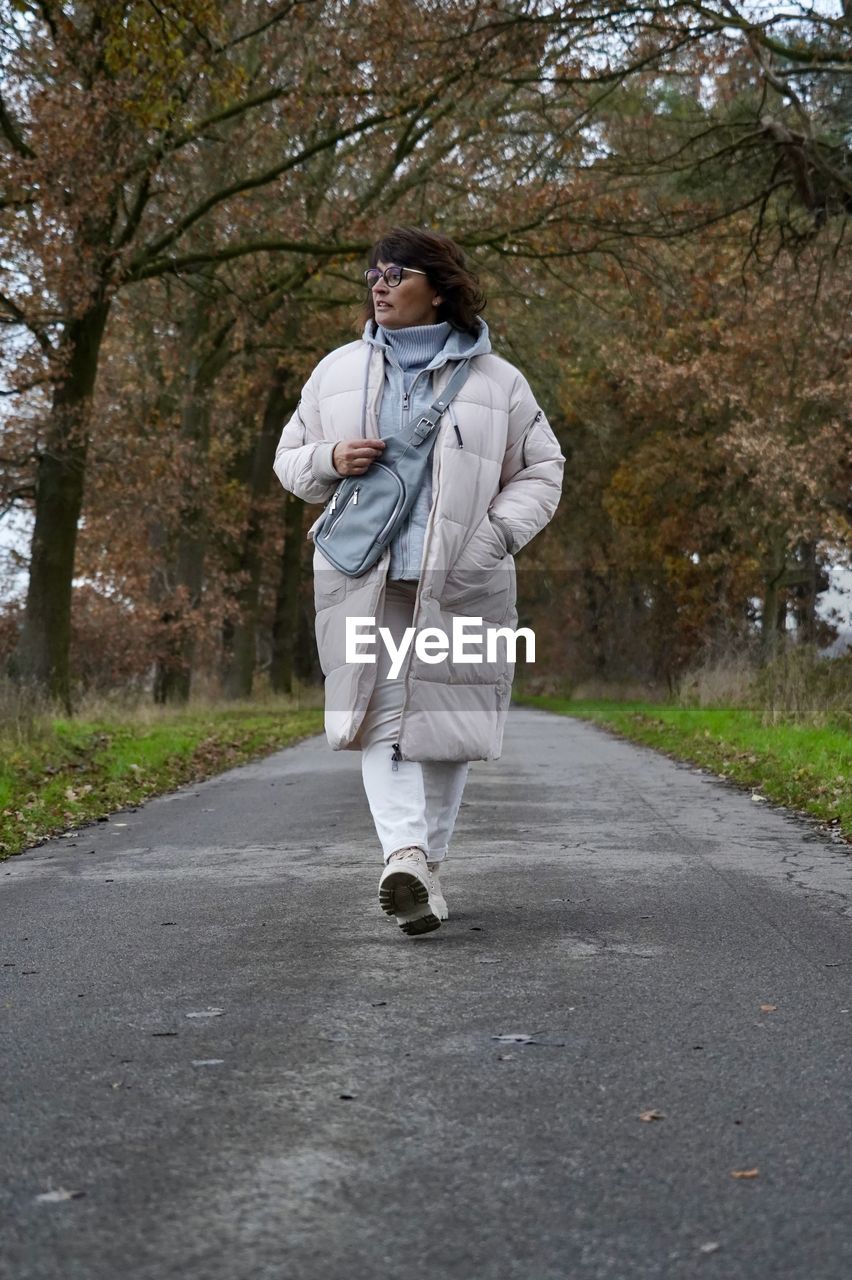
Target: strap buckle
{"x":424,"y":428}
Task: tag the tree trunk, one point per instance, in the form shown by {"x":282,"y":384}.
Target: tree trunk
{"x":240,"y":629}
{"x":288,"y":627}
{"x":595,"y":596}
{"x":774,"y":615}
{"x":805,"y":594}
{"x":42,"y":655}
{"x":205,"y":357}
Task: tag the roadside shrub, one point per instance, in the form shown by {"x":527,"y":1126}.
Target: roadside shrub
{"x":725,"y":680}
{"x":798,"y":685}
{"x":11,"y":621}
{"x":110,"y":645}
{"x":801,"y":685}
{"x":25,"y":714}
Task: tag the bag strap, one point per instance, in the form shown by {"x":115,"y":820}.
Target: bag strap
{"x":427,"y":422}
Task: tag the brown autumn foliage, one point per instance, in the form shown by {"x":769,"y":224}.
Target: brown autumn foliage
{"x":196,"y":240}
{"x":708,"y":479}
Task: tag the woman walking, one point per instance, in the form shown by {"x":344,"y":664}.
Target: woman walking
{"x":493,"y":483}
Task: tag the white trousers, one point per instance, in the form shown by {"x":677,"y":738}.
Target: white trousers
{"x":411,"y":803}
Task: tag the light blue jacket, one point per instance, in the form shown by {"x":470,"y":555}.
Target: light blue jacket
{"x":411,"y":355}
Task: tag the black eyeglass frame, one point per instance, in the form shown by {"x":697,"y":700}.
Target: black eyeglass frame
{"x":383,"y":275}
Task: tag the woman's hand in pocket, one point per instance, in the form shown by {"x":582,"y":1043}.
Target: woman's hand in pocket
{"x":353,"y":457}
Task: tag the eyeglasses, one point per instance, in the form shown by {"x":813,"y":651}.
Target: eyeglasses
{"x":391,"y":275}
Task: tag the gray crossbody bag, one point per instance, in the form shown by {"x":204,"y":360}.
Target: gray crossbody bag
{"x":367,"y":511}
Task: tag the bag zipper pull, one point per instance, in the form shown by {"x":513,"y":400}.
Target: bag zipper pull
{"x":334,"y":500}
{"x":458,"y":434}
{"x":355,"y":498}
{"x":395,"y":758}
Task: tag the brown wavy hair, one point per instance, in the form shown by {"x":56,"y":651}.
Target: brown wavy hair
{"x":446,"y":269}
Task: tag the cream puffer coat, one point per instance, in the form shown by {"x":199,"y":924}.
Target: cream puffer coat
{"x":497,"y":476}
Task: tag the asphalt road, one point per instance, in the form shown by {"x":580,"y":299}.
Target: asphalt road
{"x":345,"y":1108}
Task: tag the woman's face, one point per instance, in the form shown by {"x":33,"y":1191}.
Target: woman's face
{"x":413,"y":301}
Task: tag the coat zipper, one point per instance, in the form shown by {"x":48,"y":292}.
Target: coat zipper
{"x":540,"y":414}
{"x":455,"y":423}
{"x":436,"y":473}
{"x":405,"y":533}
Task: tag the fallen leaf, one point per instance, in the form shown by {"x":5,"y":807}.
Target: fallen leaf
{"x":744,"y":1173}
{"x":768,"y":1008}
{"x":520,"y":1037}
{"x":647,"y":1116}
{"x":710,"y":1247}
{"x":61,"y":1193}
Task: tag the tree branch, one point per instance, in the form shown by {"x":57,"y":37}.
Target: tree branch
{"x":757,"y":31}
{"x":20,"y":317}
{"x":170,"y":146}
{"x":271,"y":21}
{"x":136,"y":270}
{"x":12,"y":133}
{"x":190,"y":261}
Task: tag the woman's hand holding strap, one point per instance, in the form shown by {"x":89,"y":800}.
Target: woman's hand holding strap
{"x":353,"y":457}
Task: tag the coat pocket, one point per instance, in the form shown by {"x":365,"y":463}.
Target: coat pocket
{"x":478,"y":584}
{"x":483,"y":550}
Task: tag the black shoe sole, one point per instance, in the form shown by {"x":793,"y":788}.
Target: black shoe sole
{"x":403,"y":893}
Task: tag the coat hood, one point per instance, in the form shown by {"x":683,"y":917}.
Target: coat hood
{"x":459,"y":345}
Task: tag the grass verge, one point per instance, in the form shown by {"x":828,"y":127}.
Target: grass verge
{"x":798,"y":765}
{"x":77,"y":771}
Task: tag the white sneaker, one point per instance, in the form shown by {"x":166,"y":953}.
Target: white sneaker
{"x":436,"y":897}
{"x":406,"y":889}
